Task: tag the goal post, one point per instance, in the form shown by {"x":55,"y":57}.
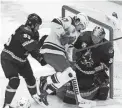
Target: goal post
{"x":93,"y":20}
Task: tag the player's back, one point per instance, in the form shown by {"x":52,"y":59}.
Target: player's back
{"x":59,"y":27}
{"x":15,"y":47}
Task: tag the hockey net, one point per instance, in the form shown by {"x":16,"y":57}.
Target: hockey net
{"x":98,"y":17}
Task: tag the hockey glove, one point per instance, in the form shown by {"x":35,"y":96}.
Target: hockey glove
{"x":39,"y":57}
{"x":101,"y":67}
{"x":101,"y":78}
{"x":41,"y":60}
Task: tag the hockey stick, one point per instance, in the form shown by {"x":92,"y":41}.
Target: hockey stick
{"x":96,"y":45}
{"x":79,"y":100}
{"x":78,"y":97}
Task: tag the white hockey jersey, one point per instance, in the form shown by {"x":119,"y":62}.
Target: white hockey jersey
{"x":59,"y":27}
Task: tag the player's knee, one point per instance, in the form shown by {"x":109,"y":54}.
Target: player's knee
{"x":14,"y":82}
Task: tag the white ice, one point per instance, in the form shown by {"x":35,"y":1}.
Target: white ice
{"x":13,"y":13}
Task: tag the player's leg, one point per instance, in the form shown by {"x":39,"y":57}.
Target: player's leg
{"x":10,"y":71}
{"x":102,"y":79}
{"x":55,"y":81}
{"x":27,"y":73}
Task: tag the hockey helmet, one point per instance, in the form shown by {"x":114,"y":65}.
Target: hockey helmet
{"x":83,"y":19}
{"x":98,"y":34}
{"x":33,"y":19}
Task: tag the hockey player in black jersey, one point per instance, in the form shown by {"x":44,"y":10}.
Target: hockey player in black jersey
{"x":91,"y":69}
{"x":14,"y":60}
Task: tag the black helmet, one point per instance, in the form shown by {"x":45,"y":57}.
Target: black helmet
{"x":33,"y":19}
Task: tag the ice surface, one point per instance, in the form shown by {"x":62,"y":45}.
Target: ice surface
{"x":14,"y":13}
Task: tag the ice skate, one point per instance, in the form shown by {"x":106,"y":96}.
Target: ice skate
{"x":7,"y":106}
{"x":37,"y":99}
{"x":43,"y":93}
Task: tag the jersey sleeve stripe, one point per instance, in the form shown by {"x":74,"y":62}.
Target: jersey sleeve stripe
{"x":27,"y":42}
{"x":52,"y":48}
{"x":55,"y":45}
{"x":14,"y":56}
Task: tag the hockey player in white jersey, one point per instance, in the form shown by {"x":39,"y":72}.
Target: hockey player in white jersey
{"x":64,"y":32}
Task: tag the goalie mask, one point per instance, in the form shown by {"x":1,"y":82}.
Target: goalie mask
{"x":98,"y":34}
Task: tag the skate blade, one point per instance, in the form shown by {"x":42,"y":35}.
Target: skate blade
{"x":84,"y":106}
{"x":43,"y":105}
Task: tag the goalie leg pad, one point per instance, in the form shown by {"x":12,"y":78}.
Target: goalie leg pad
{"x":64,"y":77}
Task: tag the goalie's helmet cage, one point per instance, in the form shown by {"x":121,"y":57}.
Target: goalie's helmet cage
{"x":83,"y":19}
{"x":98,"y":31}
{"x":33,"y":19}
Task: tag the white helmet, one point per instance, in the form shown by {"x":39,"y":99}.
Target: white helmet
{"x":83,"y":18}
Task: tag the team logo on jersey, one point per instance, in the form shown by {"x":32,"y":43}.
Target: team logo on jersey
{"x":27,"y":36}
{"x":87,"y":59}
{"x":84,"y":45}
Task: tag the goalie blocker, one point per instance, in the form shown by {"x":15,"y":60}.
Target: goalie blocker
{"x":91,"y":67}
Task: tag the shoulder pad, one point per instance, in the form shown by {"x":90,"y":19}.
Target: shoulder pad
{"x":26,"y":30}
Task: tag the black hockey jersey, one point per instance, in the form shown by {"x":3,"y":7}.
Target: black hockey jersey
{"x":92,"y":58}
{"x":21,"y":44}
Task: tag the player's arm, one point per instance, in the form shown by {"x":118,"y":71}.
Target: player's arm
{"x":108,"y":56}
{"x":36,"y":53}
{"x":60,"y":26}
{"x":38,"y":56}
{"x":41,"y":41}
{"x":28,"y":42}
{"x":57,"y":27}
